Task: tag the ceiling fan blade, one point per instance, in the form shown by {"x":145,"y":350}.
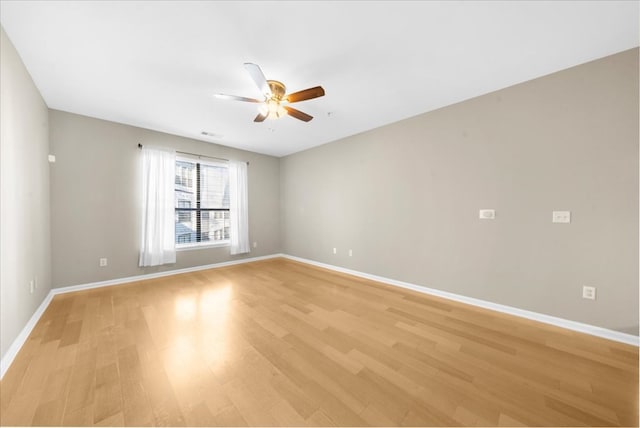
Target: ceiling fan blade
{"x":306,"y":94}
{"x":236,"y":98}
{"x":298,"y":114}
{"x":258,"y":76}
{"x":260,"y":117}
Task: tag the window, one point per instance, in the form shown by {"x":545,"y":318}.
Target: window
{"x":201,"y":203}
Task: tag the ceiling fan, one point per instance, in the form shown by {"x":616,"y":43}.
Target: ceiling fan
{"x":274,"y":105}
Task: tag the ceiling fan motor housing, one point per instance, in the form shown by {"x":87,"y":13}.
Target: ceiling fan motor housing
{"x":277,"y":89}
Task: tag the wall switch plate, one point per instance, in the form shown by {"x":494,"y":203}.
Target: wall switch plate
{"x":335,"y":250}
{"x":561,"y":217}
{"x":31,"y":286}
{"x":51,"y":158}
{"x":487,"y":214}
{"x":255,"y":244}
{"x":588,"y":292}
{"x":103,"y":262}
{"x":350,"y":253}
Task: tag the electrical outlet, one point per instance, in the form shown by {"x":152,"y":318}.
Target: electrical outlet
{"x":31,"y":286}
{"x":350,"y":253}
{"x":561,"y":217}
{"x":103,"y":262}
{"x":487,"y":214}
{"x":255,"y":244}
{"x":588,"y":292}
{"x":335,"y":250}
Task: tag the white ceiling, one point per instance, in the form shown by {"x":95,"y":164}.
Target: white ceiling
{"x":156,"y":65}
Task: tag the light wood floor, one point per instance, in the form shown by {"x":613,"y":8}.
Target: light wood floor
{"x":279,"y":343}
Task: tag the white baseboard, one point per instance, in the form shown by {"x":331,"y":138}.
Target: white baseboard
{"x":118,"y":281}
{"x":19,"y":341}
{"x":535,"y":316}
{"x":16,"y":345}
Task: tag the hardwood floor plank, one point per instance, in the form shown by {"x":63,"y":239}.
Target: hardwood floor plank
{"x":508,"y":421}
{"x":136,"y":409}
{"x":295,"y":396}
{"x":82,"y":386}
{"x":325,"y":389}
{"x":199,"y":416}
{"x":70,"y":333}
{"x":49,"y":413}
{"x":164,"y":406}
{"x":375,"y":418}
{"x":12,"y":380}
{"x":82,"y":417}
{"x":585,"y":417}
{"x":384,"y":397}
{"x":281,"y":343}
{"x":108,"y":397}
{"x":285,"y":415}
{"x":57,"y":387}
{"x":112,"y":421}
{"x":229,"y":417}
{"x":248,"y":405}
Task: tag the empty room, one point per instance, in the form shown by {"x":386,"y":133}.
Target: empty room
{"x":319,"y":213}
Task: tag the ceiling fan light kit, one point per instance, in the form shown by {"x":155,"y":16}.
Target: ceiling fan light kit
{"x":273,"y":106}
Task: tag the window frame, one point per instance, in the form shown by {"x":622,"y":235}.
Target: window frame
{"x":186,"y":246}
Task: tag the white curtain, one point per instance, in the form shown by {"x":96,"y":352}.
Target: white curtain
{"x":158,"y":244}
{"x":238,"y":208}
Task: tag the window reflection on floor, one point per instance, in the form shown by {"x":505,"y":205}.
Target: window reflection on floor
{"x":202,"y":338}
{"x":185,"y":308}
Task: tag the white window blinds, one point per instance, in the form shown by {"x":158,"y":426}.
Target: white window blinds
{"x":201,"y":202}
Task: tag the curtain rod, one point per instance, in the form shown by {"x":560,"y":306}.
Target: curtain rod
{"x":194,"y":154}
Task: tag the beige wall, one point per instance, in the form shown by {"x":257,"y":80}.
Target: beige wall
{"x":95,"y":199}
{"x":25,"y":246}
{"x":405,"y":197}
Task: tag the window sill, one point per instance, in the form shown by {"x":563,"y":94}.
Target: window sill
{"x":202,"y":246}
